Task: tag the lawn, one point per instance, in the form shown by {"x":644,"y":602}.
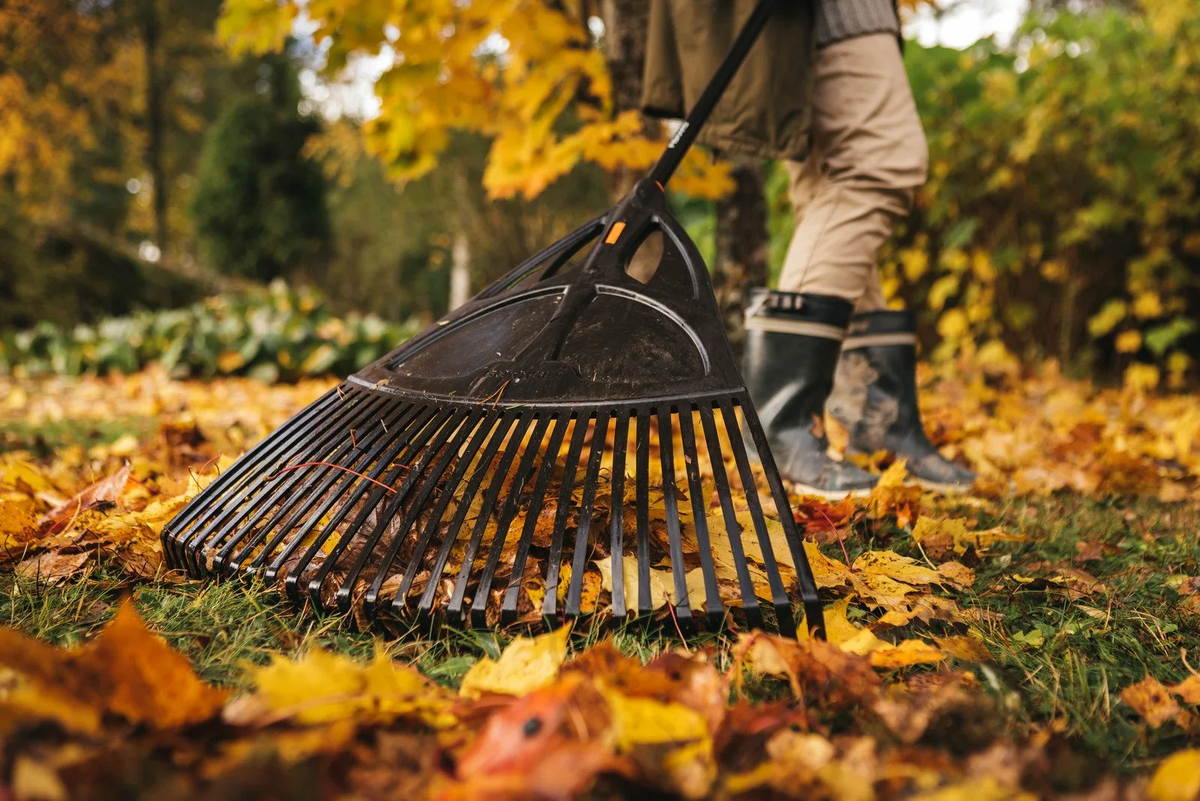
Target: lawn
{"x":1035,"y":638}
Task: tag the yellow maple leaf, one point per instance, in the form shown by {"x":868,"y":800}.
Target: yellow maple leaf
{"x":1177,"y":778}
{"x":524,"y":666}
{"x":322,"y":687}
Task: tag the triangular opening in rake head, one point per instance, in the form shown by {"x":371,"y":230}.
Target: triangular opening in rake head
{"x":569,"y":420}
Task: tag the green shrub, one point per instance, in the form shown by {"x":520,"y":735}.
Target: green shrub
{"x":1064,"y":196}
{"x":282,"y":335}
{"x":259,"y":208}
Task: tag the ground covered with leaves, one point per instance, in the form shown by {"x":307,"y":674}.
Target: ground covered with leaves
{"x":1035,"y":638}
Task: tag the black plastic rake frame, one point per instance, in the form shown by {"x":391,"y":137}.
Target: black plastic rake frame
{"x":504,"y":409}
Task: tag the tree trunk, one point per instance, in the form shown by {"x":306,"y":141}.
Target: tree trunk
{"x":154,"y":122}
{"x":625,"y":27}
{"x":742,"y":246}
{"x":460,"y":270}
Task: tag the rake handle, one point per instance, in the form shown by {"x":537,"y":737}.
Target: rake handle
{"x":685,"y":136}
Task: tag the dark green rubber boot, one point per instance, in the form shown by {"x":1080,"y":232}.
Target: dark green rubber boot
{"x":875,"y":398}
{"x":791,"y":353}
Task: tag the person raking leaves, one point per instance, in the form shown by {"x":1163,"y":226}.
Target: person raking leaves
{"x":825,"y":90}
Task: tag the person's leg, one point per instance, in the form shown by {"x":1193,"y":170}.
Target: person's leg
{"x":868,"y":160}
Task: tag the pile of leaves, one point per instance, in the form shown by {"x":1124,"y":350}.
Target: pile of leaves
{"x":125,"y":712}
{"x":283,"y":334}
{"x":902,"y":701}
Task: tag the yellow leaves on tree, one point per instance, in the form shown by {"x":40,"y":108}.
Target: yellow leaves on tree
{"x":526,"y":73}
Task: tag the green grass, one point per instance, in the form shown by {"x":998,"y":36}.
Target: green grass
{"x":1058,"y":661}
{"x":1068,"y":660}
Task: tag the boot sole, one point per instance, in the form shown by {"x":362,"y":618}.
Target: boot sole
{"x":944,"y":489}
{"x":832,"y":495}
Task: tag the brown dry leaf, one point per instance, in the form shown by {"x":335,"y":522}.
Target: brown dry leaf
{"x":817,"y":670}
{"x":52,"y":568}
{"x":910,"y":714}
{"x":549,"y":744}
{"x":104,"y":492}
{"x":1153,"y":702}
{"x":1188,"y":690}
{"x":524,"y":666}
{"x":126,"y":671}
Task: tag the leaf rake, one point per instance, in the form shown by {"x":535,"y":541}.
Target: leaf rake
{"x":558,"y":419}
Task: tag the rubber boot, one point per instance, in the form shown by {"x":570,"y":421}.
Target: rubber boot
{"x":791,"y":352}
{"x":875,"y":398}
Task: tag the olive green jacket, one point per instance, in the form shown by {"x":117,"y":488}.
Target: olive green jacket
{"x":766,"y":109}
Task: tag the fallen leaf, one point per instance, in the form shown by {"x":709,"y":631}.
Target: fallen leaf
{"x":1153,"y":702}
{"x":1177,"y":778}
{"x":105,"y":491}
{"x":52,"y":568}
{"x":126,"y":671}
{"x":322,"y":687}
{"x":524,"y":666}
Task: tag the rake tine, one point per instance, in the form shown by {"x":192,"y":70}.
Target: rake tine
{"x":220,"y":508}
{"x":712,"y":604}
{"x":617,"y":521}
{"x":239,"y":470}
{"x":348,"y":454}
{"x":666,"y":453}
{"x":734,"y":529}
{"x":554,"y":562}
{"x":508,"y":609}
{"x":318,"y":515}
{"x":413,"y":438}
{"x":498,"y":477}
{"x":254,"y":502}
{"x":461,"y":427}
{"x":358,"y":489}
{"x":236,"y":501}
{"x":482,"y":428}
{"x":779,"y":596}
{"x":579,"y":553}
{"x":813,"y":614}
{"x":425,"y":604}
{"x":642,"y":453}
{"x":504,"y":522}
{"x":383,"y":520}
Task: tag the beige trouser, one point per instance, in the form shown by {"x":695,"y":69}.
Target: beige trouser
{"x":868,"y":160}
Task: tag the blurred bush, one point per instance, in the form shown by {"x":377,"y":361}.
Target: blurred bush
{"x":1062,"y":215}
{"x":260,"y":208}
{"x":281,"y":335}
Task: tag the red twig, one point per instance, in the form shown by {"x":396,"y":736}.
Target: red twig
{"x":335,"y":467}
{"x":838,"y":534}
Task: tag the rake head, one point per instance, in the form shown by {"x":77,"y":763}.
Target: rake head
{"x":568,"y":420}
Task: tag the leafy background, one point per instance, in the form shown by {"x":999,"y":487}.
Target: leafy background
{"x":1060,"y":219}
